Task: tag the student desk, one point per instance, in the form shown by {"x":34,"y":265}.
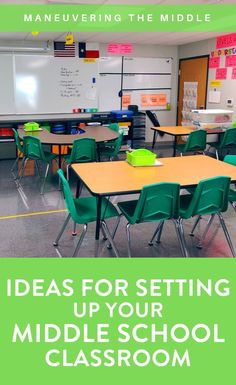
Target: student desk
{"x":117,"y":178}
{"x":99,"y":133}
{"x":176,"y":131}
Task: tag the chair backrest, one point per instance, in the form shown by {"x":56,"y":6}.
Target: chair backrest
{"x":17,"y":140}
{"x":229,"y":138}
{"x":210,"y":196}
{"x":70,"y":204}
{"x":83,"y":150}
{"x":118,"y":143}
{"x":156,"y":202}
{"x":33,"y":148}
{"x":196,"y":141}
{"x":231,"y":159}
{"x":114,"y":127}
{"x":152,"y":116}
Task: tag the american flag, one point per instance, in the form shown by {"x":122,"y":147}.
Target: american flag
{"x":61,"y":49}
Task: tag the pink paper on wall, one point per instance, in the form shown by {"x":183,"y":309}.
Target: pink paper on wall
{"x":226,"y":41}
{"x":230,"y":61}
{"x":221,"y":73}
{"x":233,"y":73}
{"x":119,"y":49}
{"x":214,"y":62}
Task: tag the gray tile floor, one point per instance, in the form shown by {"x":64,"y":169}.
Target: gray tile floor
{"x":33,"y":236}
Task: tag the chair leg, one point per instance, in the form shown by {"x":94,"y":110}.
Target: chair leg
{"x":195,"y":225}
{"x":182,"y":237}
{"x":177,"y":228}
{"x":227,"y":236}
{"x":81,"y":238}
{"x":37,"y":166}
{"x":55,"y":243}
{"x":233,"y":205}
{"x":103,"y":234}
{"x":157,"y":231}
{"x":114,"y":231}
{"x":158,"y":240}
{"x":128,"y":238}
{"x":74,"y":233}
{"x":14,"y":167}
{"x":210,"y":220}
{"x":67,"y":171}
{"x":217,"y":155}
{"x":44,"y":180}
{"x":154,"y":138}
{"x":23,"y":169}
{"x":109,"y":237}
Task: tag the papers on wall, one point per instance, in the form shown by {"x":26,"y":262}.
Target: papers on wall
{"x":214,"y":97}
{"x":189,"y":102}
{"x":233,"y":76}
{"x":221,"y":73}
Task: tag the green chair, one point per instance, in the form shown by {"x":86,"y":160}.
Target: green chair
{"x":231,"y":159}
{"x":196,"y":142}
{"x":33,"y":150}
{"x":209,"y":198}
{"x":111,"y":143}
{"x":157,"y":203}
{"x":83,"y":150}
{"x":227,"y":142}
{"x":20,"y":150}
{"x":83,"y":211}
{"x":112,"y":152}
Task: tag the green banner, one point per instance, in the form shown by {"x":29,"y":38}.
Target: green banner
{"x":117,"y":321}
{"x":118,"y":18}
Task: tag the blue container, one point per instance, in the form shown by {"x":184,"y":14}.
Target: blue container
{"x":58,"y":129}
{"x":122,"y":113}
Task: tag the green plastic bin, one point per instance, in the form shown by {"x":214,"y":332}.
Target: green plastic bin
{"x":31,"y":126}
{"x":140,"y":157}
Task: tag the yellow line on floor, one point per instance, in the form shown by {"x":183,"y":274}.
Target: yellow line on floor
{"x":33,"y":214}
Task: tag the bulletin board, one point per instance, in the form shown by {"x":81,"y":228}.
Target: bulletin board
{"x":222,"y":73}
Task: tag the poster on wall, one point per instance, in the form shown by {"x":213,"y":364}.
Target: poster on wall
{"x":221,"y":73}
{"x":226,"y":40}
{"x":233,"y":76}
{"x":214,"y":62}
{"x":189,"y":102}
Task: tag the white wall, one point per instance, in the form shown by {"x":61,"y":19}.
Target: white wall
{"x":228,"y":88}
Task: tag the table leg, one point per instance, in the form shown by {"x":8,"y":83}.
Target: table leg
{"x":98,"y":222}
{"x":175,"y":143}
{"x":78,"y":187}
{"x":154,"y":138}
{"x":59,"y":156}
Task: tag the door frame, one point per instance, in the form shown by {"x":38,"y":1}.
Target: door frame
{"x":191,"y":58}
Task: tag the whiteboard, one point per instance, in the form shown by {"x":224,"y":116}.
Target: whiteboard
{"x":110,"y":65}
{"x":7,"y":84}
{"x":147,"y":65}
{"x":109,"y":86}
{"x":135,"y":98}
{"x":146,"y":81}
{"x":44,"y":84}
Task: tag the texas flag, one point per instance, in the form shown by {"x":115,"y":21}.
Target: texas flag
{"x":88,"y":50}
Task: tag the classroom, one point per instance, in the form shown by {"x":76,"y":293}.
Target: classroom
{"x":118,"y":144}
